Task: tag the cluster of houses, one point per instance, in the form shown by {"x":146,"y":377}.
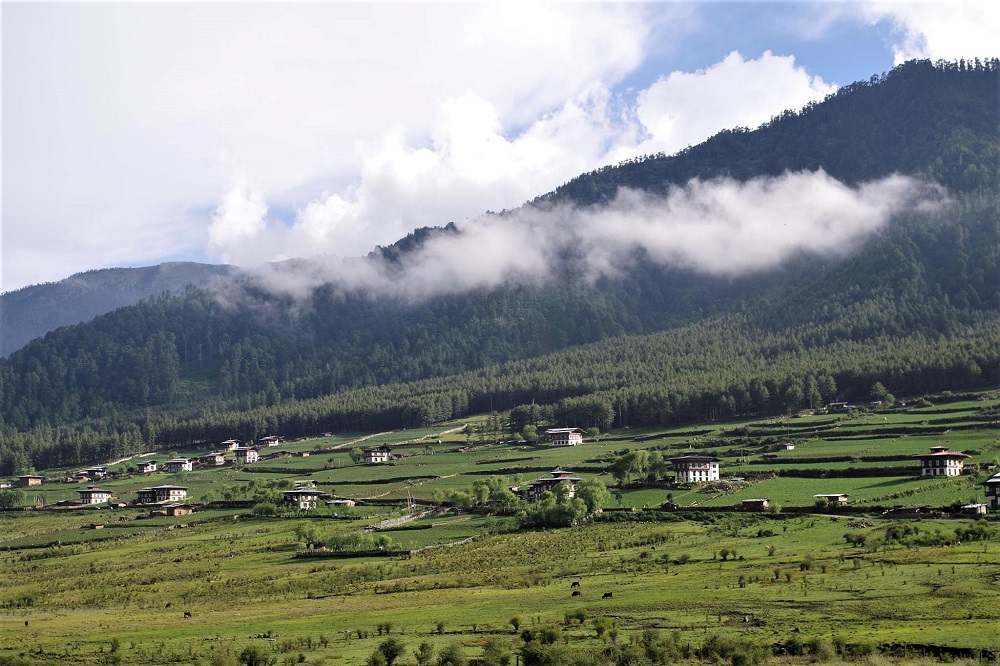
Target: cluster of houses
{"x":691,"y":468}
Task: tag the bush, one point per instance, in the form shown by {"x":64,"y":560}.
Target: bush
{"x":255,"y":655}
{"x":739,"y":650}
{"x":390,"y":649}
{"x":264,"y":509}
{"x":453,"y":655}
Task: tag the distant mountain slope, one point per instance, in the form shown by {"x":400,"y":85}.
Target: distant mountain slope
{"x":249,"y":360}
{"x":31,"y":312}
{"x":936,"y":120}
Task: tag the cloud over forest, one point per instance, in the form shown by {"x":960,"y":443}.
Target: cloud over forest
{"x":719,"y":227}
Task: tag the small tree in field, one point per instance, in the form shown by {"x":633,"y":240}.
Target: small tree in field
{"x":391,"y":648}
{"x":424,"y":654}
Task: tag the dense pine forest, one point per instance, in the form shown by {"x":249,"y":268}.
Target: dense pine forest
{"x":915,"y":309}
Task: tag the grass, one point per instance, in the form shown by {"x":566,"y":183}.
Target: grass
{"x":239,"y":579}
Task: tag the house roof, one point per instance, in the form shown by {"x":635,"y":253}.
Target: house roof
{"x":179,"y":460}
{"x":942,"y":454}
{"x":694,"y":458}
{"x":995,"y":479}
{"x":557,"y":476}
{"x":311,"y":492}
{"x":380,"y":447}
{"x":94,"y":490}
{"x":558,"y":431}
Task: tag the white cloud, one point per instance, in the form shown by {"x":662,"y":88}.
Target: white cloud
{"x":470,"y":164}
{"x":685,"y":108}
{"x":120,"y":117}
{"x":719,"y":227}
{"x":725,"y":227}
{"x":939,"y":30}
{"x":239,"y":219}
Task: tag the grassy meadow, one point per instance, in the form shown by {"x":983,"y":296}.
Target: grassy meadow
{"x":202,"y":588}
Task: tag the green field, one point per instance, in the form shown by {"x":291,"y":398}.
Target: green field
{"x":70,"y":593}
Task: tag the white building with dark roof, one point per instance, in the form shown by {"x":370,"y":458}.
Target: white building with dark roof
{"x":246,"y":455}
{"x":565,"y":436}
{"x":993,"y":492}
{"x":179,"y":465}
{"x":535,"y":489}
{"x":158,"y":494}
{"x":93,"y":495}
{"x":378,"y":454}
{"x":942,"y":462}
{"x":694,"y":468}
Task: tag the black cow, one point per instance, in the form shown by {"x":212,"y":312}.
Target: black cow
{"x":576,"y":593}
{"x":575,"y":583}
{"x":607,"y":595}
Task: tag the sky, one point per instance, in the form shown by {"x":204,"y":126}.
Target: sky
{"x":135,"y":133}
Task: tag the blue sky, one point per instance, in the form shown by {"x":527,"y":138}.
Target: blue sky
{"x":136,"y":133}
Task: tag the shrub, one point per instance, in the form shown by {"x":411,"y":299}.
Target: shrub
{"x":255,"y":655}
{"x":453,"y":655}
{"x":264,"y":509}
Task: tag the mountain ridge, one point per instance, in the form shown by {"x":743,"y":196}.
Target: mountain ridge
{"x":922,"y":293}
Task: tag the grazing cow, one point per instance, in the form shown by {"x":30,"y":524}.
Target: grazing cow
{"x":187,"y":614}
{"x":607,"y":595}
{"x":576,"y":593}
{"x":575,"y":583}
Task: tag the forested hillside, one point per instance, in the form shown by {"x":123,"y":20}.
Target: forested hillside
{"x":916,"y":309}
{"x":31,"y":312}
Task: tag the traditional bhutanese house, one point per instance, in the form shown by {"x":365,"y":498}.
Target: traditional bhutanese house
{"x":245,"y":455}
{"x":695,"y":468}
{"x":565,"y":436}
{"x":833,"y":499}
{"x":215,"y":459}
{"x":179,"y":465}
{"x":755,"y":504}
{"x":146,"y":467}
{"x":94,"y":495}
{"x":535,"y":489}
{"x":271,"y":440}
{"x":303,"y":497}
{"x":993,"y":492}
{"x":158,"y":494}
{"x":942,"y":462}
{"x":378,"y":454}
{"x":230,"y":444}
{"x":340,"y":501}
{"x":26,"y":480}
{"x":96,"y":472}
